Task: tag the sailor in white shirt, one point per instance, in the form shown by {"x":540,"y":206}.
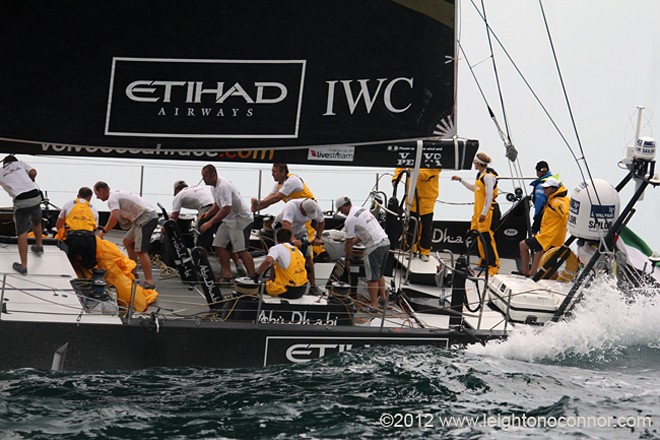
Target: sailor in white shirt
{"x":294,"y":216}
{"x":362,"y":226}
{"x":131,"y":210}
{"x":17,"y":178}
{"x":197,"y":198}
{"x":228,"y":207}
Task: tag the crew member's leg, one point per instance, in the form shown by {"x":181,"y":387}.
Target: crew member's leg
{"x":143,"y":238}
{"x":220,"y":243}
{"x":426,"y":235}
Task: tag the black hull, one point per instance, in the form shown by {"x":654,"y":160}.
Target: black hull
{"x":142,"y":344}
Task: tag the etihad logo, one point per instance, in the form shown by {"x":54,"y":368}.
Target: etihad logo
{"x":205,"y":98}
{"x":194,"y":91}
{"x":302,"y":353}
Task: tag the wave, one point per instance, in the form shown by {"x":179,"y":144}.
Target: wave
{"x":608,"y":327}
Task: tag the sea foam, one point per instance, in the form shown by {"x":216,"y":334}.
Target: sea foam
{"x":605,"y":323}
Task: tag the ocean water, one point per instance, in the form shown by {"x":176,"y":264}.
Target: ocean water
{"x":596,"y":376}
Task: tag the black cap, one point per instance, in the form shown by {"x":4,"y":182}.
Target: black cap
{"x":542,"y":165}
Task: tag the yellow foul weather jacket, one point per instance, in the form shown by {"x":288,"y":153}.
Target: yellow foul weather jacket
{"x":553,"y":229}
{"x":426,"y":188}
{"x":293,"y":276}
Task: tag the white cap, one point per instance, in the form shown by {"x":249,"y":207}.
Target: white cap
{"x":551,"y":181}
{"x":341,"y":201}
{"x":312,"y":208}
{"x":180,"y":184}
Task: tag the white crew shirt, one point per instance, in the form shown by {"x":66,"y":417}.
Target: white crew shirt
{"x":195,"y":198}
{"x":362,"y":224}
{"x":281,"y":254}
{"x":292,"y":184}
{"x":225,"y":193}
{"x":15,"y":179}
{"x":130,"y":206}
{"x":291,"y":213}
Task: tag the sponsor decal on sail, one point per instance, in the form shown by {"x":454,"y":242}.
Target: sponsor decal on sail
{"x":331,"y":153}
{"x":191,"y":98}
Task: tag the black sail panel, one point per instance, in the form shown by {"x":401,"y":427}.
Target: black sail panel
{"x":193,"y":79}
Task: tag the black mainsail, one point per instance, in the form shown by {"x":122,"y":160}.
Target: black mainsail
{"x":335,"y":82}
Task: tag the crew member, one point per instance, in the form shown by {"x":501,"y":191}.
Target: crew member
{"x":553,"y":228}
{"x":76,"y":224}
{"x":486,"y":213}
{"x":132,"y":211}
{"x":423,"y":205}
{"x":17,"y":178}
{"x":287,"y":187}
{"x":538,"y":196}
{"x":197,"y":198}
{"x":362,"y":226}
{"x":289,"y":277}
{"x":228,"y":208}
{"x":295,"y":215}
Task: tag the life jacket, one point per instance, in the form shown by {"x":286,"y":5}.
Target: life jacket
{"x":81,"y":217}
{"x":305,"y":193}
{"x":480,"y":191}
{"x":293,"y":276}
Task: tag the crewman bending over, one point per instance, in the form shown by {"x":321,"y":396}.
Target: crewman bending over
{"x":289,"y":277}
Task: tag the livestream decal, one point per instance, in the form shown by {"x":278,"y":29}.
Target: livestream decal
{"x":323,"y":154}
{"x":214,"y":79}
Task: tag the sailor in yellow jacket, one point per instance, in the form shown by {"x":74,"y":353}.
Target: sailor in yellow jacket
{"x":289,"y":278}
{"x":552,"y":232}
{"x":486,"y":214}
{"x":76,"y":226}
{"x":287,"y":187}
{"x":423,"y":205}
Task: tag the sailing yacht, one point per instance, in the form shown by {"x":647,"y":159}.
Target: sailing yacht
{"x":339,"y":83}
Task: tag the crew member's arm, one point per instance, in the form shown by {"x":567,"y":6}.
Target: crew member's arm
{"x":397,"y":173}
{"x":174,"y":215}
{"x":489,"y":182}
{"x":217,"y":217}
{"x":33,"y":174}
{"x":286,"y":224}
{"x":320,"y":227}
{"x":263,"y":267}
{"x":468,"y":185}
{"x":59,"y":224}
{"x":348,"y":250}
{"x":112,"y":221}
{"x":267,"y":201}
{"x":210,"y":213}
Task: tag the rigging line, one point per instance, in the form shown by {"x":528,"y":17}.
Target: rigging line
{"x":529,"y":87}
{"x":515,"y":176}
{"x":496,"y":73}
{"x":563,"y":88}
{"x":505,"y":135}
